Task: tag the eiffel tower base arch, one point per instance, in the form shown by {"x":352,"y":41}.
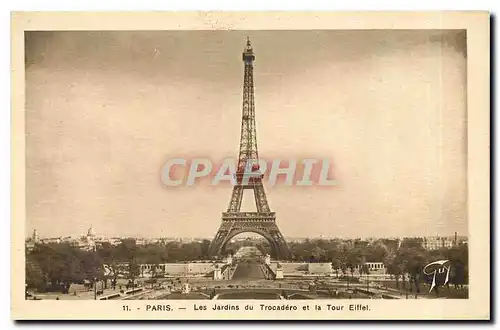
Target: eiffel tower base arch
{"x":262,"y":223}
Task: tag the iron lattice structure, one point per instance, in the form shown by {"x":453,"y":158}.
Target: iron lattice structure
{"x":248,"y":177}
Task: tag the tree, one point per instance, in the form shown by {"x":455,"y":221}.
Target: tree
{"x":92,"y":266}
{"x":393,"y":267}
{"x":375,"y":252}
{"x":363,"y":269}
{"x":133,"y":270}
{"x":391,"y":245}
{"x":413,"y":261}
{"x":318,"y":254}
{"x":343,"y":260}
{"x":127,"y":249}
{"x":114,"y":269}
{"x":354,"y":259}
{"x":204,"y":248}
{"x":53,"y":267}
{"x":110,"y":257}
{"x":35,"y":279}
{"x":336,"y":266}
{"x":459,"y":260}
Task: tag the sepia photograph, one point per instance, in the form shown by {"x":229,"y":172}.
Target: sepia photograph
{"x":223,"y":167}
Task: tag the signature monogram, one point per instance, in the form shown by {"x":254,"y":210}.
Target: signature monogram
{"x":438,"y":267}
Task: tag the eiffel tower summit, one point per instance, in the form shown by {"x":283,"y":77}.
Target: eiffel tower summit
{"x":248,"y":177}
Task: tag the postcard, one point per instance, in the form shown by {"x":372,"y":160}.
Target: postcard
{"x":250,"y":166}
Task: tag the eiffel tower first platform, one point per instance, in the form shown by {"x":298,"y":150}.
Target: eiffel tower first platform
{"x":247,"y":177}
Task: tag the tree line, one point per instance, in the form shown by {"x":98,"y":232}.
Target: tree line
{"x":403,"y":260}
{"x":54,"y":267}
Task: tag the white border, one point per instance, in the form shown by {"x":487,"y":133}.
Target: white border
{"x":76,"y":5}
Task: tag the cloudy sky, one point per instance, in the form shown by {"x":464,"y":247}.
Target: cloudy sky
{"x":105,"y":110}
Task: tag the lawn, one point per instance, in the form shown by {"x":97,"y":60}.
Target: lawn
{"x":443,"y":292}
{"x":182,"y":296}
{"x":249,"y":295}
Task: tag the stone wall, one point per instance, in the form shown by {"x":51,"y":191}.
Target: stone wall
{"x":184,"y":269}
{"x":320,"y":268}
{"x":176,"y":269}
{"x":290,"y":267}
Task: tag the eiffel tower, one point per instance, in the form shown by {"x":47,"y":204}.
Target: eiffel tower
{"x":248,"y":177}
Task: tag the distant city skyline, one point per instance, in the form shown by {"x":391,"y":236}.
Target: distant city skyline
{"x":93,"y":242}
{"x":104,"y":110}
{"x":244,"y":235}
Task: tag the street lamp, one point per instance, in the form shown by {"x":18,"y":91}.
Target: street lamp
{"x":406,"y":287}
{"x":95,"y":288}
